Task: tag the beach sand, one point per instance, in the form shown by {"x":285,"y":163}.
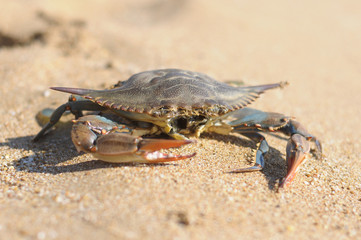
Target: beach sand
{"x":49,"y":191}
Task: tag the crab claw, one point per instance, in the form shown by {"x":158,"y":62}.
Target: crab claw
{"x":120,"y":147}
{"x":112,"y":142}
{"x":149,"y":148}
{"x":297,"y":149}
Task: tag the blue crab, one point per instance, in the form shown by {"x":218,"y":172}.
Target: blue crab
{"x":180,"y":104}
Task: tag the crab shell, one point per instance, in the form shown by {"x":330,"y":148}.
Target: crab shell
{"x":167,"y":93}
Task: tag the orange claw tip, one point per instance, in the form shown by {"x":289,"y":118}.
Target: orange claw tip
{"x":293,"y":166}
{"x":287,"y":180}
{"x":157,"y":144}
{"x":297,"y":150}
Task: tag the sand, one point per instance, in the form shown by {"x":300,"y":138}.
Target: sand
{"x":49,"y":191}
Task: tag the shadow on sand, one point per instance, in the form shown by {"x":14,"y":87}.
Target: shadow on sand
{"x":49,"y":154}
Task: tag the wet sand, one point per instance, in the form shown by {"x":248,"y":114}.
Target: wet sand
{"x":49,"y":191}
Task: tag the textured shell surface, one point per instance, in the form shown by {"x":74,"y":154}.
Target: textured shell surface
{"x":171,"y":91}
{"x":169,"y":88}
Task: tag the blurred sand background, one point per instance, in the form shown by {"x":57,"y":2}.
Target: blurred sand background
{"x":49,"y":191}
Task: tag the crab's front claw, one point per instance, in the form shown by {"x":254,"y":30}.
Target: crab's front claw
{"x":120,"y":147}
{"x":112,"y":142}
{"x":297,"y":149}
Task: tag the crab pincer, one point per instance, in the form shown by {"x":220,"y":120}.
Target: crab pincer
{"x":296,"y":150}
{"x":118,"y":147}
{"x":111,"y":142}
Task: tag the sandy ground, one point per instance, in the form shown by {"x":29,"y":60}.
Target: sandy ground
{"x":49,"y":191}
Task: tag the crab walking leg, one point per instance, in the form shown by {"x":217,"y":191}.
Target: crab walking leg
{"x":262,"y":149}
{"x":112,"y":142}
{"x":73,"y":106}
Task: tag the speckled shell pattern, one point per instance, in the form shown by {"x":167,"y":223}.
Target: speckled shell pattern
{"x":170,"y":92}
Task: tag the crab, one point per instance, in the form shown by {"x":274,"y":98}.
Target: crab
{"x":180,"y":104}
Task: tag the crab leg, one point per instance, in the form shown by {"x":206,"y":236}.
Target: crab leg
{"x":74,"y":106}
{"x":112,"y":142}
{"x":262,"y":149}
{"x":251,"y":121}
